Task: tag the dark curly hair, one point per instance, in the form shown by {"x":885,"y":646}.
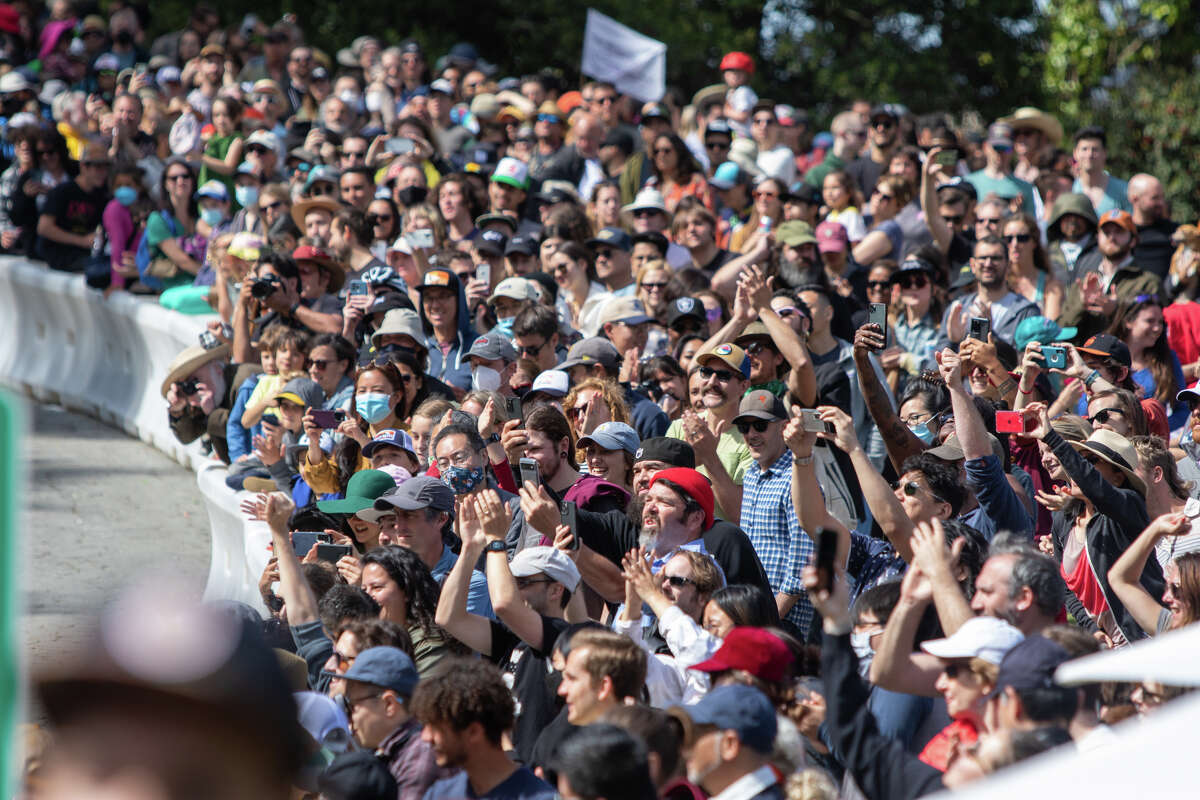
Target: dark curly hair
{"x":414,"y":579}
{"x":467,"y":690}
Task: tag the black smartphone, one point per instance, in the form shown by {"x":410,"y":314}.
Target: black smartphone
{"x":878,"y":316}
{"x":270,"y":418}
{"x":333,"y":552}
{"x":980,"y":328}
{"x":529,"y":472}
{"x":302,"y":541}
{"x":512,"y":407}
{"x":826,"y":556}
{"x":570,"y":518}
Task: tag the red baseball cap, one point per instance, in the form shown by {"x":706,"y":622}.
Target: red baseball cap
{"x":738,"y":60}
{"x":832,"y":237}
{"x":695,"y":484}
{"x":755,"y":650}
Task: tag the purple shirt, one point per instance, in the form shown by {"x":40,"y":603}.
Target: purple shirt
{"x":411,"y":761}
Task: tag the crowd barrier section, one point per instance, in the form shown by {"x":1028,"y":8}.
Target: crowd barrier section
{"x":106,"y":357}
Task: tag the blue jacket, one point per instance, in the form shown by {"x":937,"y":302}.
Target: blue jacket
{"x":240,"y":439}
{"x":452,"y":368}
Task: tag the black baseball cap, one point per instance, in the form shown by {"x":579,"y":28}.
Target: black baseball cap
{"x":686,"y":308}
{"x":1106,"y":345}
{"x":675,"y":452}
{"x":1031,"y":665}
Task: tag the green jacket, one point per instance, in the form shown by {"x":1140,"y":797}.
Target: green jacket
{"x":1128,"y":282}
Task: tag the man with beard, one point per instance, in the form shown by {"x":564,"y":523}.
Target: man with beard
{"x":606,"y":538}
{"x":466,"y":710}
{"x":1092,"y":301}
{"x":1154,"y":228}
{"x":992,"y":300}
{"x":882,"y":136}
{"x":350,"y":236}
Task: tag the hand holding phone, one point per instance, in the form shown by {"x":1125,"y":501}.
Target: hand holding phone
{"x":327,"y":419}
{"x":570,"y":518}
{"x":1010,"y":422}
{"x":980,"y":328}
{"x":529,"y":472}
{"x":878,"y":316}
{"x":1054,"y":357}
{"x":811,"y":420}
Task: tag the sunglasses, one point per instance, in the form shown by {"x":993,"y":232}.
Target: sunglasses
{"x":716,"y":145}
{"x":256,"y":148}
{"x":271,"y":206}
{"x":884,"y":195}
{"x":879,"y":285}
{"x":759,"y":426}
{"x":723,"y":375}
{"x":180,"y":176}
{"x":954,"y":670}
{"x":531,"y":350}
{"x":551,"y":118}
{"x":883,"y":123}
{"x":678,"y":581}
{"x":1102,"y":416}
{"x":319,"y":363}
{"x":354,"y":153}
{"x":1017,"y":237}
{"x":646,"y":213}
{"x":654,"y":286}
{"x":918,"y":281}
{"x":754,"y":348}
{"x":912,"y":489}
{"x":523,"y":582}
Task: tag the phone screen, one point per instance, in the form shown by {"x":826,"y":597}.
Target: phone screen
{"x":826,"y":556}
{"x":570,"y":518}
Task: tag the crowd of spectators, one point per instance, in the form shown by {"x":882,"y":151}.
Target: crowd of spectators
{"x":612,"y":449}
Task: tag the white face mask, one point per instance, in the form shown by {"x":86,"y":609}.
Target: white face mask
{"x":861,"y":642}
{"x":485,"y":379}
{"x":697,"y":777}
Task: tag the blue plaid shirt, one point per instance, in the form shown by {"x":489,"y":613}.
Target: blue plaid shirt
{"x":769,"y":519}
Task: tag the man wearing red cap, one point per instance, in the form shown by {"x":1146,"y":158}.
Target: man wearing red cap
{"x":679,"y":508}
{"x":736,"y":69}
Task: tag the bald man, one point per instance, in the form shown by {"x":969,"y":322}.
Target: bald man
{"x":1149,"y":202}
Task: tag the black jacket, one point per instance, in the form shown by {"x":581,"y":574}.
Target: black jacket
{"x":1120,"y":518}
{"x":881,"y":766}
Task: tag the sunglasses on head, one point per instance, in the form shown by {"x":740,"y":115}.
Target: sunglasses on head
{"x":759,"y":426}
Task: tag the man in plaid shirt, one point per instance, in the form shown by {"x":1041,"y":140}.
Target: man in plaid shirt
{"x":769,"y":516}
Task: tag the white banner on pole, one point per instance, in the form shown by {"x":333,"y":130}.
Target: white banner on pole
{"x":635,"y":64}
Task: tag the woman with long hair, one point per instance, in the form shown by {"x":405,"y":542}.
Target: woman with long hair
{"x":843,"y":201}
{"x":676,"y":173}
{"x":604,"y":206}
{"x":916,"y":322}
{"x":384,"y":217}
{"x":458,"y":205}
{"x":1180,"y":599}
{"x":1154,"y":367}
{"x":1029,"y":266}
{"x":768,"y":204}
{"x":592,"y":402}
{"x":174,"y":242}
{"x":580,"y":295}
{"x":885,"y":238}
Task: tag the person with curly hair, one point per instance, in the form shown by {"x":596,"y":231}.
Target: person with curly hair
{"x":591,"y":403}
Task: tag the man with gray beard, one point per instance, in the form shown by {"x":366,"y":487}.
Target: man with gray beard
{"x":607,"y":537}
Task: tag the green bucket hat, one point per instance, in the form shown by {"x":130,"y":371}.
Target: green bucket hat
{"x":365,"y":487}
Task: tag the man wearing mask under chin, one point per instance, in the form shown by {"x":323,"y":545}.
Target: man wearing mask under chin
{"x":493,"y":362}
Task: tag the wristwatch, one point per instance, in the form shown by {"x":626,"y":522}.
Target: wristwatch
{"x":494,"y":438}
{"x":496,"y":546}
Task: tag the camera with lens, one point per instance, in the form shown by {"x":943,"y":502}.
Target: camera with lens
{"x":189,"y":386}
{"x":262,"y":288}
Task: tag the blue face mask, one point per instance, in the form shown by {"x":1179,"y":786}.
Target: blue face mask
{"x":373,"y":406}
{"x":125,"y":195}
{"x":246,"y":196}
{"x":921,"y":431}
{"x":212,"y":216}
{"x":505,"y":326}
{"x":463,"y":480}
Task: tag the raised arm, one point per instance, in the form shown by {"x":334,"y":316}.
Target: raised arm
{"x":895,"y":666}
{"x":276,"y":509}
{"x":704,"y":442}
{"x":972,"y":433}
{"x":802,"y":379}
{"x":471,"y":629}
{"x":742,"y":315}
{"x":938,"y":561}
{"x":931,"y":173}
{"x":806,"y":491}
{"x":1125,"y":575}
{"x":897,"y":438}
{"x":725,"y":280}
{"x":507,"y":602}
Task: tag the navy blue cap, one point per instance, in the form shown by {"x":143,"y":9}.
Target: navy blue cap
{"x":741,"y":709}
{"x":1030,"y":664}
{"x":385,"y":667}
{"x":491,"y":242}
{"x":611,"y":237}
{"x":389,"y":437}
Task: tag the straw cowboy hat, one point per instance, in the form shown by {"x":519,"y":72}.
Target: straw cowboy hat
{"x":1116,"y":451}
{"x":1030,"y":117}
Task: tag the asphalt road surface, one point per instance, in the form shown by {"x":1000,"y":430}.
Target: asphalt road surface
{"x":102,"y":509}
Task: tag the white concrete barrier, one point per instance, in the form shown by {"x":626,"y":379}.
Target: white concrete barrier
{"x":65,"y":343}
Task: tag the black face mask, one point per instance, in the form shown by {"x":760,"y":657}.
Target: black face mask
{"x":411,"y":195}
{"x":123,"y":38}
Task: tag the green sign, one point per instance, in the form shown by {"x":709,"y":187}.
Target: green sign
{"x":11,"y":426}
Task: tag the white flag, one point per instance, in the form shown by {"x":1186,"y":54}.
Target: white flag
{"x":635,"y":64}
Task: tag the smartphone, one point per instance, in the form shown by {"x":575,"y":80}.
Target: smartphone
{"x":812,"y":422}
{"x":302,"y":541}
{"x":328,"y":419}
{"x":399,"y":144}
{"x":270,"y":418}
{"x":358,"y":287}
{"x":948,"y":158}
{"x":878,"y":316}
{"x":483,"y":272}
{"x":332,"y":552}
{"x":1010,"y":422}
{"x":529,"y":472}
{"x":209,"y":340}
{"x":826,"y":558}
{"x":979,"y":329}
{"x":421,"y":238}
{"x":764,"y":224}
{"x":512,"y":407}
{"x":1055,"y":357}
{"x":570,"y":518}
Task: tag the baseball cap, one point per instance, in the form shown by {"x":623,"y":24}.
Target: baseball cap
{"x":801,"y":192}
{"x":423,"y":491}
{"x":729,"y":354}
{"x":629,"y":310}
{"x":246,"y":246}
{"x":960,"y":184}
{"x":1040,"y":329}
{"x":1000,"y":134}
{"x":516,"y":289}
{"x":492,"y":347}
{"x":832,"y":237}
{"x":686,"y":308}
{"x":964,"y":277}
{"x":951,"y":450}
{"x":389,"y":437}
{"x":1118,"y":217}
{"x":442,"y":86}
{"x":1191,"y":395}
{"x":523,"y":245}
{"x":512,"y":171}
{"x":587,"y":352}
{"x":263,"y":138}
{"x":439,"y":279}
{"x":324,"y":720}
{"x":795,"y":232}
{"x":1030,"y":664}
{"x":675,"y":452}
{"x":303,"y":392}
{"x":491,"y":242}
{"x":362,"y":490}
{"x":553,"y":382}
{"x":760,"y":404}
{"x":214,"y":189}
{"x":755,"y":650}
{"x":402,"y":320}
{"x":611,"y":237}
{"x":386,"y":667}
{"x":483,"y":220}
{"x":741,"y":709}
{"x":737,"y":60}
{"x":549,"y":561}
{"x":694,"y":484}
{"x":613,"y":436}
{"x":728,"y":175}
{"x":988,"y":638}
{"x":1107,"y":346}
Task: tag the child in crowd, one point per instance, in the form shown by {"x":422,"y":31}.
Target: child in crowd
{"x":289,"y":354}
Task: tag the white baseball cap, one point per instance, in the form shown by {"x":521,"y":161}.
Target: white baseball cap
{"x":979,"y":637}
{"x":549,"y":561}
{"x":554,"y":382}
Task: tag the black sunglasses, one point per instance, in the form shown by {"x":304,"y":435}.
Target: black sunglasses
{"x":678,"y":581}
{"x":880,"y":285}
{"x":1102,"y":416}
{"x":723,"y":375}
{"x":759,"y":426}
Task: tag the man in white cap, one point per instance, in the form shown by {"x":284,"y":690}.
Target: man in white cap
{"x":623,"y":321}
{"x":530,"y":596}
